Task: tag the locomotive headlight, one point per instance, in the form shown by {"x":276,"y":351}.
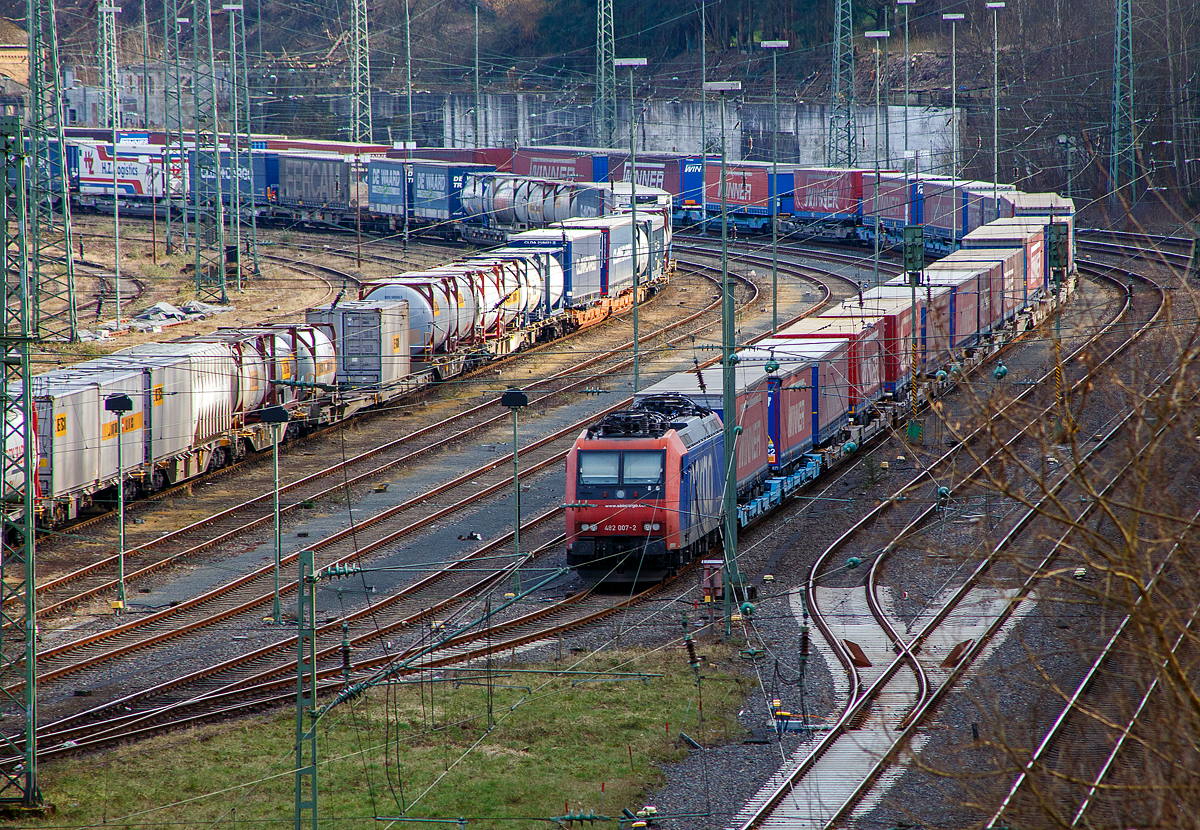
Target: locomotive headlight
{"x":647,"y":526}
{"x":656,"y":526}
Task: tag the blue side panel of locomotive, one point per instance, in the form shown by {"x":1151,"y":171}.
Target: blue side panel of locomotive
{"x":701,"y":484}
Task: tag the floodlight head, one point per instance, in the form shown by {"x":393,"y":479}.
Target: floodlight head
{"x":723,"y":86}
{"x":954,"y":17}
{"x":514,"y":399}
{"x":275,"y":415}
{"x":994,"y":6}
{"x":878,"y":35}
{"x":118,"y":403}
{"x":630,"y":62}
{"x":778,"y":44}
{"x":905,"y":2}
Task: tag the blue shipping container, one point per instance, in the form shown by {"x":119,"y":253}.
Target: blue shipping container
{"x":437,"y":189}
{"x":387,"y":186}
{"x":580,"y":252}
{"x":257,"y":176}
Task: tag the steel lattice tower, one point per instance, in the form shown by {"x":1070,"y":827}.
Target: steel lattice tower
{"x":606,"y":75}
{"x":841,"y":150}
{"x":18,"y":634}
{"x":361,"y":128}
{"x":52,"y":263}
{"x":173,"y":105}
{"x":209,"y":216}
{"x":106,"y":46}
{"x":1122,"y":159}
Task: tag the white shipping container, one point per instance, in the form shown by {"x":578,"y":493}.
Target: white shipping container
{"x":69,"y":438}
{"x":81,"y":446}
{"x":189,"y":392}
{"x":139,"y":171}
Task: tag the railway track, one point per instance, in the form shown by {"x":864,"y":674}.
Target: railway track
{"x":115,"y":649}
{"x":308,"y":488}
{"x":111,"y":650}
{"x":893,"y":678}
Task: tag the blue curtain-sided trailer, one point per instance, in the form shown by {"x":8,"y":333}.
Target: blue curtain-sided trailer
{"x":435,"y":193}
{"x":257,"y":174}
{"x":387,"y":186}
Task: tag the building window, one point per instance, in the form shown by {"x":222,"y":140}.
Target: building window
{"x":72,"y":116}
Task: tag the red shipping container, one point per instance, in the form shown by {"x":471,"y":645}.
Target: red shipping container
{"x":828,"y":192}
{"x":829,"y":388}
{"x":941,"y":213}
{"x":975,"y":279}
{"x":964,"y":284}
{"x":790,"y":398}
{"x":896,"y":314}
{"x":1007,"y":266}
{"x":499,"y":157}
{"x":745,"y":186}
{"x":453,"y":154}
{"x":865,"y":358}
{"x":345,"y":148}
{"x":895,"y":199}
{"x":553,"y":163}
{"x":1027,"y":234}
{"x":661,"y":172}
{"x":752,"y":444}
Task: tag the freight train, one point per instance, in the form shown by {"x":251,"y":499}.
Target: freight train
{"x":644,"y":486}
{"x":486,"y":195}
{"x":198,"y":403}
{"x":343,"y":185}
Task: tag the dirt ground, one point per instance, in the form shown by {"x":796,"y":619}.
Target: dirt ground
{"x":279,"y":293}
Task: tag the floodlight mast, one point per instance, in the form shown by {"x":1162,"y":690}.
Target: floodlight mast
{"x":773,"y":192}
{"x":633,"y":63}
{"x":876,"y":36}
{"x":731,"y":575}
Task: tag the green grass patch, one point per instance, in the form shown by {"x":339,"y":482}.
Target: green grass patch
{"x":540,"y":740}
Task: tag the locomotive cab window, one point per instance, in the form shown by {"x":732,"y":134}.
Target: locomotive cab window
{"x":633,"y":468}
{"x":599,"y":468}
{"x":642,"y":468}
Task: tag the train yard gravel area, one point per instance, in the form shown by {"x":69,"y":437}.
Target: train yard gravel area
{"x":712,"y":784}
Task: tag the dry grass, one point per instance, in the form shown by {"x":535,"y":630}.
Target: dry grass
{"x":426,"y":747}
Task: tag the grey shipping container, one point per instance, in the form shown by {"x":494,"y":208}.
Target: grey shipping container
{"x":617,"y":268}
{"x":314,"y":182}
{"x":371,"y":339}
{"x":189,"y":391}
{"x":80,"y":446}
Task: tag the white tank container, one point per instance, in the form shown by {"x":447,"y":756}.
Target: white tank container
{"x":441,"y":308}
{"x":541,"y":272}
{"x":316,"y":362}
